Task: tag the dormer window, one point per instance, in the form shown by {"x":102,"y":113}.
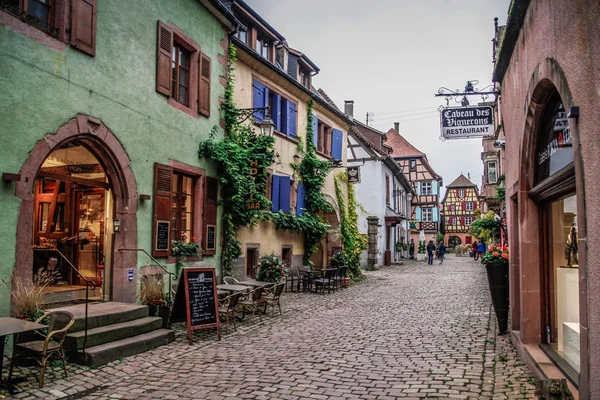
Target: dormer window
{"x":242,"y":34}
{"x":262,"y":47}
{"x":304,"y":78}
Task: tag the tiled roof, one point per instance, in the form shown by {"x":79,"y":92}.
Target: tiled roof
{"x":401,"y":147}
{"x":327,"y":98}
{"x":461,"y":181}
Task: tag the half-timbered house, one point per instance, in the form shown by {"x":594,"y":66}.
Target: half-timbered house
{"x":458,"y":210}
{"x":425,"y":182}
{"x":381,"y":187}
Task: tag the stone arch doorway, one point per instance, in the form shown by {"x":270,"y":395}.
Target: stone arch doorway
{"x":548,"y":210}
{"x":332,"y":241}
{"x":92,"y":135}
{"x":454,"y":241}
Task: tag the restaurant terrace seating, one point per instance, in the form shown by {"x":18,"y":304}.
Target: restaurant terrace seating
{"x":251,"y":301}
{"x":272,"y":297}
{"x":228,"y":308}
{"x":328,"y":280}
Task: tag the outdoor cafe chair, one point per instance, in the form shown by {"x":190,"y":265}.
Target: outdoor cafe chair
{"x":42,"y":351}
{"x":293,"y":274}
{"x":228,"y":308}
{"x":305,"y":277}
{"x":251,"y":301}
{"x":230,"y":280}
{"x":339,"y":277}
{"x":272,"y":297}
{"x":328,"y":280}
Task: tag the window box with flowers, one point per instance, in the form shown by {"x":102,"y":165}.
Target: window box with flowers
{"x":182,"y":249}
{"x":271,"y":268}
{"x":496,"y":265}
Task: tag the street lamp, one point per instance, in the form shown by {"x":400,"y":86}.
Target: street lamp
{"x":267,"y":126}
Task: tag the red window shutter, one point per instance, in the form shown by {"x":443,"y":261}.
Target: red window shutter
{"x":457,"y":193}
{"x":83,"y":25}
{"x":211,"y":194}
{"x":204,"y":88}
{"x":163,"y":177}
{"x":462,"y":221}
{"x":464,"y":205}
{"x":164,"y":70}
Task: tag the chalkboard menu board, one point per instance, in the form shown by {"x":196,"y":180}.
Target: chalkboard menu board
{"x":162,"y":235}
{"x":211,"y":231}
{"x":196,"y":300}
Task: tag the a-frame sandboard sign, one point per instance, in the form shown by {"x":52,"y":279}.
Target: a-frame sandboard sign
{"x":196,"y":301}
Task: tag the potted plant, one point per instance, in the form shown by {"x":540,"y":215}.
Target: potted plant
{"x":421,"y":251}
{"x":152,"y":294}
{"x":496,"y":265}
{"x":271,"y":268}
{"x":338,"y":260}
{"x":182,"y":249}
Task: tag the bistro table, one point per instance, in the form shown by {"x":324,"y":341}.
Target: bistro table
{"x":256,"y":284}
{"x":234,"y":288}
{"x":10,"y":326}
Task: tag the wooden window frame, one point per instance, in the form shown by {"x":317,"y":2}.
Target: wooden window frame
{"x":193,"y":73}
{"x":430,"y":210}
{"x":324,"y":137}
{"x":387,"y":189}
{"x":468,"y":223}
{"x":412,"y":165}
{"x":175,"y":82}
{"x":428,"y":192}
{"x":177,"y":229}
{"x":23,"y":15}
{"x":470,"y":206}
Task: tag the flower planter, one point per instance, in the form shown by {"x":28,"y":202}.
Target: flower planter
{"x":421,"y":257}
{"x":498,"y":280}
{"x":345,"y":283}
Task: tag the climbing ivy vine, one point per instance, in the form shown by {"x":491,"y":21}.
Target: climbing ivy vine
{"x":233,"y":156}
{"x":354,"y":242}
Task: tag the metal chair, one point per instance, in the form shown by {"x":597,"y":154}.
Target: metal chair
{"x":339,"y":277}
{"x":251,"y":301}
{"x":292,"y":275}
{"x":43,"y":350}
{"x":306,"y":278}
{"x":328,"y":280}
{"x":227,"y":308}
{"x":272,"y":297}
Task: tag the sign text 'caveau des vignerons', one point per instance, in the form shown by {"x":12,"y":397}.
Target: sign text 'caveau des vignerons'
{"x":467,"y":122}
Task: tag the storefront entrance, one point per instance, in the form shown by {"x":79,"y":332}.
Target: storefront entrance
{"x":73,"y":210}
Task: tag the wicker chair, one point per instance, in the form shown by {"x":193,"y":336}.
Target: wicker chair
{"x":328,"y":280}
{"x":272,"y":297}
{"x":228,"y":308}
{"x":43,"y":350}
{"x":251,"y":301}
{"x":230,"y":280}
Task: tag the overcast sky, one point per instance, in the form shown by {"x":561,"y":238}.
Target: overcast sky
{"x":391,"y":56}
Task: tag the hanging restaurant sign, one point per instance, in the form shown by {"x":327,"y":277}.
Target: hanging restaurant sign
{"x":353,"y":174}
{"x":467,"y":122}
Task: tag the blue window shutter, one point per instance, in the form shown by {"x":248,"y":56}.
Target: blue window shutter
{"x":300,"y":202}
{"x":284,"y":194}
{"x":276,"y":112}
{"x":284,"y":115}
{"x":315,"y":126}
{"x":434,"y":212}
{"x":434,"y":188}
{"x":258,"y":99}
{"x":336,"y":144}
{"x":291,"y":119}
{"x":418,"y":211}
{"x":419,"y":189}
{"x":275,"y":194}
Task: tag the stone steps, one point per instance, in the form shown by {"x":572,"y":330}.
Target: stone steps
{"x":114,"y":330}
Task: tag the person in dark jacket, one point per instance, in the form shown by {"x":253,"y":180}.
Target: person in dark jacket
{"x":411,"y":249}
{"x":441,"y":252}
{"x":474,"y":250}
{"x":480,"y":250}
{"x":430,"y":251}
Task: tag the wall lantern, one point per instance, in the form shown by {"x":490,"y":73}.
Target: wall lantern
{"x":267,"y":126}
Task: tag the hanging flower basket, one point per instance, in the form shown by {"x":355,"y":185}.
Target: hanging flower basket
{"x":496,"y":266}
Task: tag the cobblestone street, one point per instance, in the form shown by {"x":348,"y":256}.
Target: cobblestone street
{"x":411,"y":331}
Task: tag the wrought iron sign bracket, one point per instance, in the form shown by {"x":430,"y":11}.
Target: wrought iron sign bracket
{"x":460,"y":97}
{"x":245,"y":113}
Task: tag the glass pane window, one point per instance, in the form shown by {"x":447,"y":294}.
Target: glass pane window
{"x":563,"y":329}
{"x":470,"y":206}
{"x":427,"y":215}
{"x":182,"y":215}
{"x":468,"y":221}
{"x":39,"y":9}
{"x":426,"y":188}
{"x":492,"y":172}
{"x":181,"y":67}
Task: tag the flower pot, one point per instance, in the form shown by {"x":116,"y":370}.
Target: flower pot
{"x":420,"y":257}
{"x":345,"y":283}
{"x":163,"y":312}
{"x":498,"y":281}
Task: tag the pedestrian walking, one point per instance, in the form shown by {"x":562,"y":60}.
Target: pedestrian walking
{"x":480,"y":249}
{"x":441,"y":252}
{"x":430,"y":251}
{"x":474,"y":250}
{"x":411,"y":249}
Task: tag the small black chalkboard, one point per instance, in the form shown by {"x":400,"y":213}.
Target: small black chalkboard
{"x":162,"y":235}
{"x":196,"y":300}
{"x":211,"y":231}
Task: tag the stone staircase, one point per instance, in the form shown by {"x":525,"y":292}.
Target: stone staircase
{"x":114,"y":330}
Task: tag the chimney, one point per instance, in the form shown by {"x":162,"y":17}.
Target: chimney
{"x":468,"y":175}
{"x":397,"y":126}
{"x":349,"y":108}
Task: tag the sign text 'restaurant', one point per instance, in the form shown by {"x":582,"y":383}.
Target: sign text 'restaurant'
{"x":467,"y":122}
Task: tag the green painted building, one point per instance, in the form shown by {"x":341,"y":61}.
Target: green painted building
{"x":103,"y":104}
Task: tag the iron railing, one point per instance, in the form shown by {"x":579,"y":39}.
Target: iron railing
{"x":88,"y":284}
{"x":173,"y":277}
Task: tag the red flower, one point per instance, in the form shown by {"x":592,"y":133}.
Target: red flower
{"x":491,"y":248}
{"x":495,"y":254}
{"x":504,"y":255}
{"x":505,"y":248}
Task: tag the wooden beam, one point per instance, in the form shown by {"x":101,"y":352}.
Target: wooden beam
{"x":7,"y":177}
{"x":79,"y":181}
